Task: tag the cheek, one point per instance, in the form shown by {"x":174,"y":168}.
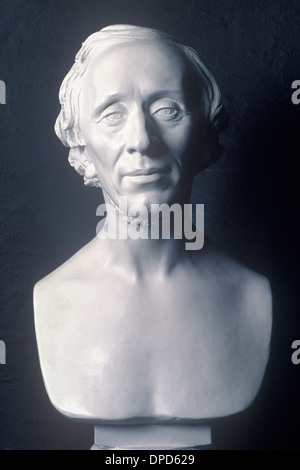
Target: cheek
{"x":179,"y":141}
{"x":102,"y":147}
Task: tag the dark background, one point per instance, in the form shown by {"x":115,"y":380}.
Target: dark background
{"x":250,"y":195}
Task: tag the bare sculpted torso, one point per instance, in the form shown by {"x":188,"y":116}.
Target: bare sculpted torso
{"x":191,"y":344}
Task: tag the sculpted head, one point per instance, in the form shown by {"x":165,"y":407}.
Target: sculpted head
{"x":140,"y":113}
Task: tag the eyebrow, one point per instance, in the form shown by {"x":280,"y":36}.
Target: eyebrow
{"x":111,"y":99}
{"x":116,"y":97}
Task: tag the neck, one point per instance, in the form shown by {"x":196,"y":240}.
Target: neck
{"x":144,"y":242}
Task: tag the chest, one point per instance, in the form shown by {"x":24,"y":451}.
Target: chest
{"x":121,"y":353}
{"x":122,"y":330}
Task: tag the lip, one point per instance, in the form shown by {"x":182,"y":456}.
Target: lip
{"x":148,"y":175}
{"x":147,"y":172}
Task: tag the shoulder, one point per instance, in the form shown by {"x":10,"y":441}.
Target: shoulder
{"x":253,"y":288}
{"x":62,"y":281}
{"x":255,"y":298}
{"x":250,"y":289}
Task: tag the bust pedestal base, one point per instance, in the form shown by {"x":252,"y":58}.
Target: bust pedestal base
{"x":152,"y":437}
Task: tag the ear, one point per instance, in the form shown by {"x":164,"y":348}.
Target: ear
{"x":90,"y":176}
{"x":79,"y":160}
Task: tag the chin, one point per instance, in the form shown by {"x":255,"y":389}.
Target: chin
{"x":159,"y":197}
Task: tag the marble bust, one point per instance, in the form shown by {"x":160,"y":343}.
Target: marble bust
{"x":142,"y":338}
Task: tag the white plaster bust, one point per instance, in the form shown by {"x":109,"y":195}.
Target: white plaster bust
{"x":143,"y":338}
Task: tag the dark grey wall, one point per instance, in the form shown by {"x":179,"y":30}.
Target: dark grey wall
{"x":251,"y":195}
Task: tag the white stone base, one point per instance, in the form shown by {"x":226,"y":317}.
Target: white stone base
{"x":151,"y":437}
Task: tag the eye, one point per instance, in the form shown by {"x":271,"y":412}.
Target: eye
{"x":114,"y":116}
{"x":167,"y":114}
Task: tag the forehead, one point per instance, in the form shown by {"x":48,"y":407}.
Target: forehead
{"x":143,"y":67}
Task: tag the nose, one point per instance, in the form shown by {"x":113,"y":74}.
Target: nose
{"x":139,"y":137}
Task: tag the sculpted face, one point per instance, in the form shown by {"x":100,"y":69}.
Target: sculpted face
{"x":137,"y":121}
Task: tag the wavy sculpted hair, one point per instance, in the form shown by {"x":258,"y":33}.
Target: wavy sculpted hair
{"x":67,"y":126}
